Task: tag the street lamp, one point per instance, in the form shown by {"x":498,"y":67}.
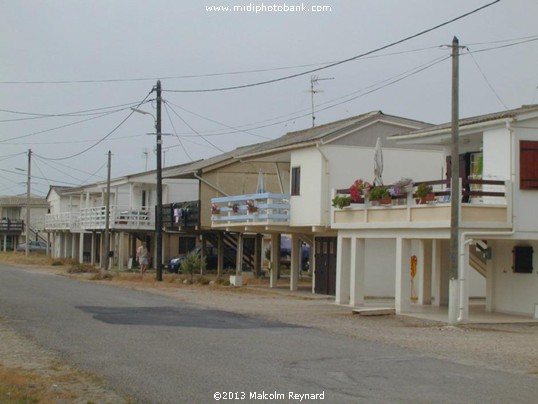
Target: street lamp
{"x":158,"y":213}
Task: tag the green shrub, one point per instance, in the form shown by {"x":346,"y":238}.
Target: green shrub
{"x":191,"y":264}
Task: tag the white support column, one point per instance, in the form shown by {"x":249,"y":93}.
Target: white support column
{"x":73,"y":237}
{"x":402,"y":297}
{"x":295,"y":262}
{"x":436,"y":272}
{"x":490,"y":281}
{"x":4,"y":243}
{"x":92,"y":252}
{"x":275,"y":259}
{"x":344,"y":264}
{"x":358,"y":267}
{"x":424,"y":271}
{"x":81,"y":247}
{"x":121,"y":251}
{"x":239,"y":256}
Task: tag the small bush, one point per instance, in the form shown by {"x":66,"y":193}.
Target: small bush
{"x":222,"y":281}
{"x":56,"y":263}
{"x":191,"y":264}
{"x":203,"y":280}
{"x":102,"y":276}
{"x":82,"y":269}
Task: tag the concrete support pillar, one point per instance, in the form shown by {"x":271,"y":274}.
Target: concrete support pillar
{"x":4,"y":243}
{"x":81,"y":247}
{"x":121,"y":251}
{"x":93,"y":251}
{"x":275,"y":259}
{"x":73,"y":245}
{"x":295,"y":262}
{"x":402,"y":299}
{"x":490,"y":281}
{"x":203,"y":255}
{"x":239,"y":256}
{"x":358,"y":267}
{"x":424,"y":272}
{"x":343,"y":269}
{"x":436,"y":272}
{"x":220,"y":252}
{"x":258,"y":255}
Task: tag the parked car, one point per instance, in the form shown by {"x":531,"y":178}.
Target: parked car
{"x":34,"y":246}
{"x":211,"y":258}
{"x":285,"y":253}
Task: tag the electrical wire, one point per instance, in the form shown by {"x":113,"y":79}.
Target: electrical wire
{"x":405,"y":39}
{"x":485,"y":78}
{"x":104,"y":137}
{"x":89,"y":112}
{"x":175,"y":132}
{"x":217,"y":122}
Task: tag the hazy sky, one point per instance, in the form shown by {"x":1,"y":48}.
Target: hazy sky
{"x":71,"y":70}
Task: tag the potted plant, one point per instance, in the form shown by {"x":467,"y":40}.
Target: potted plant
{"x":341,"y":201}
{"x":424,"y":193}
{"x":215,"y":209}
{"x":235,"y":207}
{"x":251,"y":207}
{"x":380,"y":194}
{"x":402,"y":186}
{"x":358,"y":189}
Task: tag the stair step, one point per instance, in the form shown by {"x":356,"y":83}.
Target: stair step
{"x":372,"y":311}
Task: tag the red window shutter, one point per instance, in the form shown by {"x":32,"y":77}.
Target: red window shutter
{"x":528,"y":164}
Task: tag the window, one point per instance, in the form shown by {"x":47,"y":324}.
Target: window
{"x":523,"y":260}
{"x":528,"y":164}
{"x":296,"y":180}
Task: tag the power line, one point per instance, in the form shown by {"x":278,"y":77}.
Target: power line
{"x":486,"y":79}
{"x":217,"y":122}
{"x":175,"y":132}
{"x":341,"y":61}
{"x":104,"y":137}
{"x":88,"y":112}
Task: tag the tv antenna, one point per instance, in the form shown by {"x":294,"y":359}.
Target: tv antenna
{"x":145,"y":153}
{"x":314,"y":81}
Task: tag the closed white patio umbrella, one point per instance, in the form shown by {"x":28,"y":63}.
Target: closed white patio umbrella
{"x":378,"y":163}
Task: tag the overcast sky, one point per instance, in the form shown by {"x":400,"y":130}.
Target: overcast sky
{"x":93,"y":60}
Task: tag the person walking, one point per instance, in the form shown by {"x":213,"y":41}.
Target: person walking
{"x":142,"y":255}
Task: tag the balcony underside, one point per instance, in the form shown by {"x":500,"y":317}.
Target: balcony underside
{"x":421,"y":216}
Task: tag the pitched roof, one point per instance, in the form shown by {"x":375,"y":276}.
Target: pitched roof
{"x":323,"y":133}
{"x":187,"y":170}
{"x":491,"y":117}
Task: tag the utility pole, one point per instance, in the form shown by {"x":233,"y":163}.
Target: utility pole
{"x":454,"y":252}
{"x":28,"y":184}
{"x":107,"y":214}
{"x":158,"y":213}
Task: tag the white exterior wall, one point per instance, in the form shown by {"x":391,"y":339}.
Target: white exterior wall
{"x":525,"y":200}
{"x":306,"y":208}
{"x":345,"y":165}
{"x":380,"y":275}
{"x":513,"y":293}
{"x":350,"y":163}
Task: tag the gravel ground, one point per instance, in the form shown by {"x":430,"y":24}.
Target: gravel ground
{"x":509,"y":347}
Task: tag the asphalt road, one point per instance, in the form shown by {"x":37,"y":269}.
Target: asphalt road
{"x":160,"y":350}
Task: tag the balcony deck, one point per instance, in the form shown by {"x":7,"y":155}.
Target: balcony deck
{"x":121,"y":218}
{"x":11,"y":226}
{"x":481,"y":210}
{"x":265,"y":209}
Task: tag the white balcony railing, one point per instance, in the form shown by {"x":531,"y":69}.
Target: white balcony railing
{"x":254,"y":209}
{"x":489,"y":208}
{"x":121,"y":217}
{"x":62,"y":221}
